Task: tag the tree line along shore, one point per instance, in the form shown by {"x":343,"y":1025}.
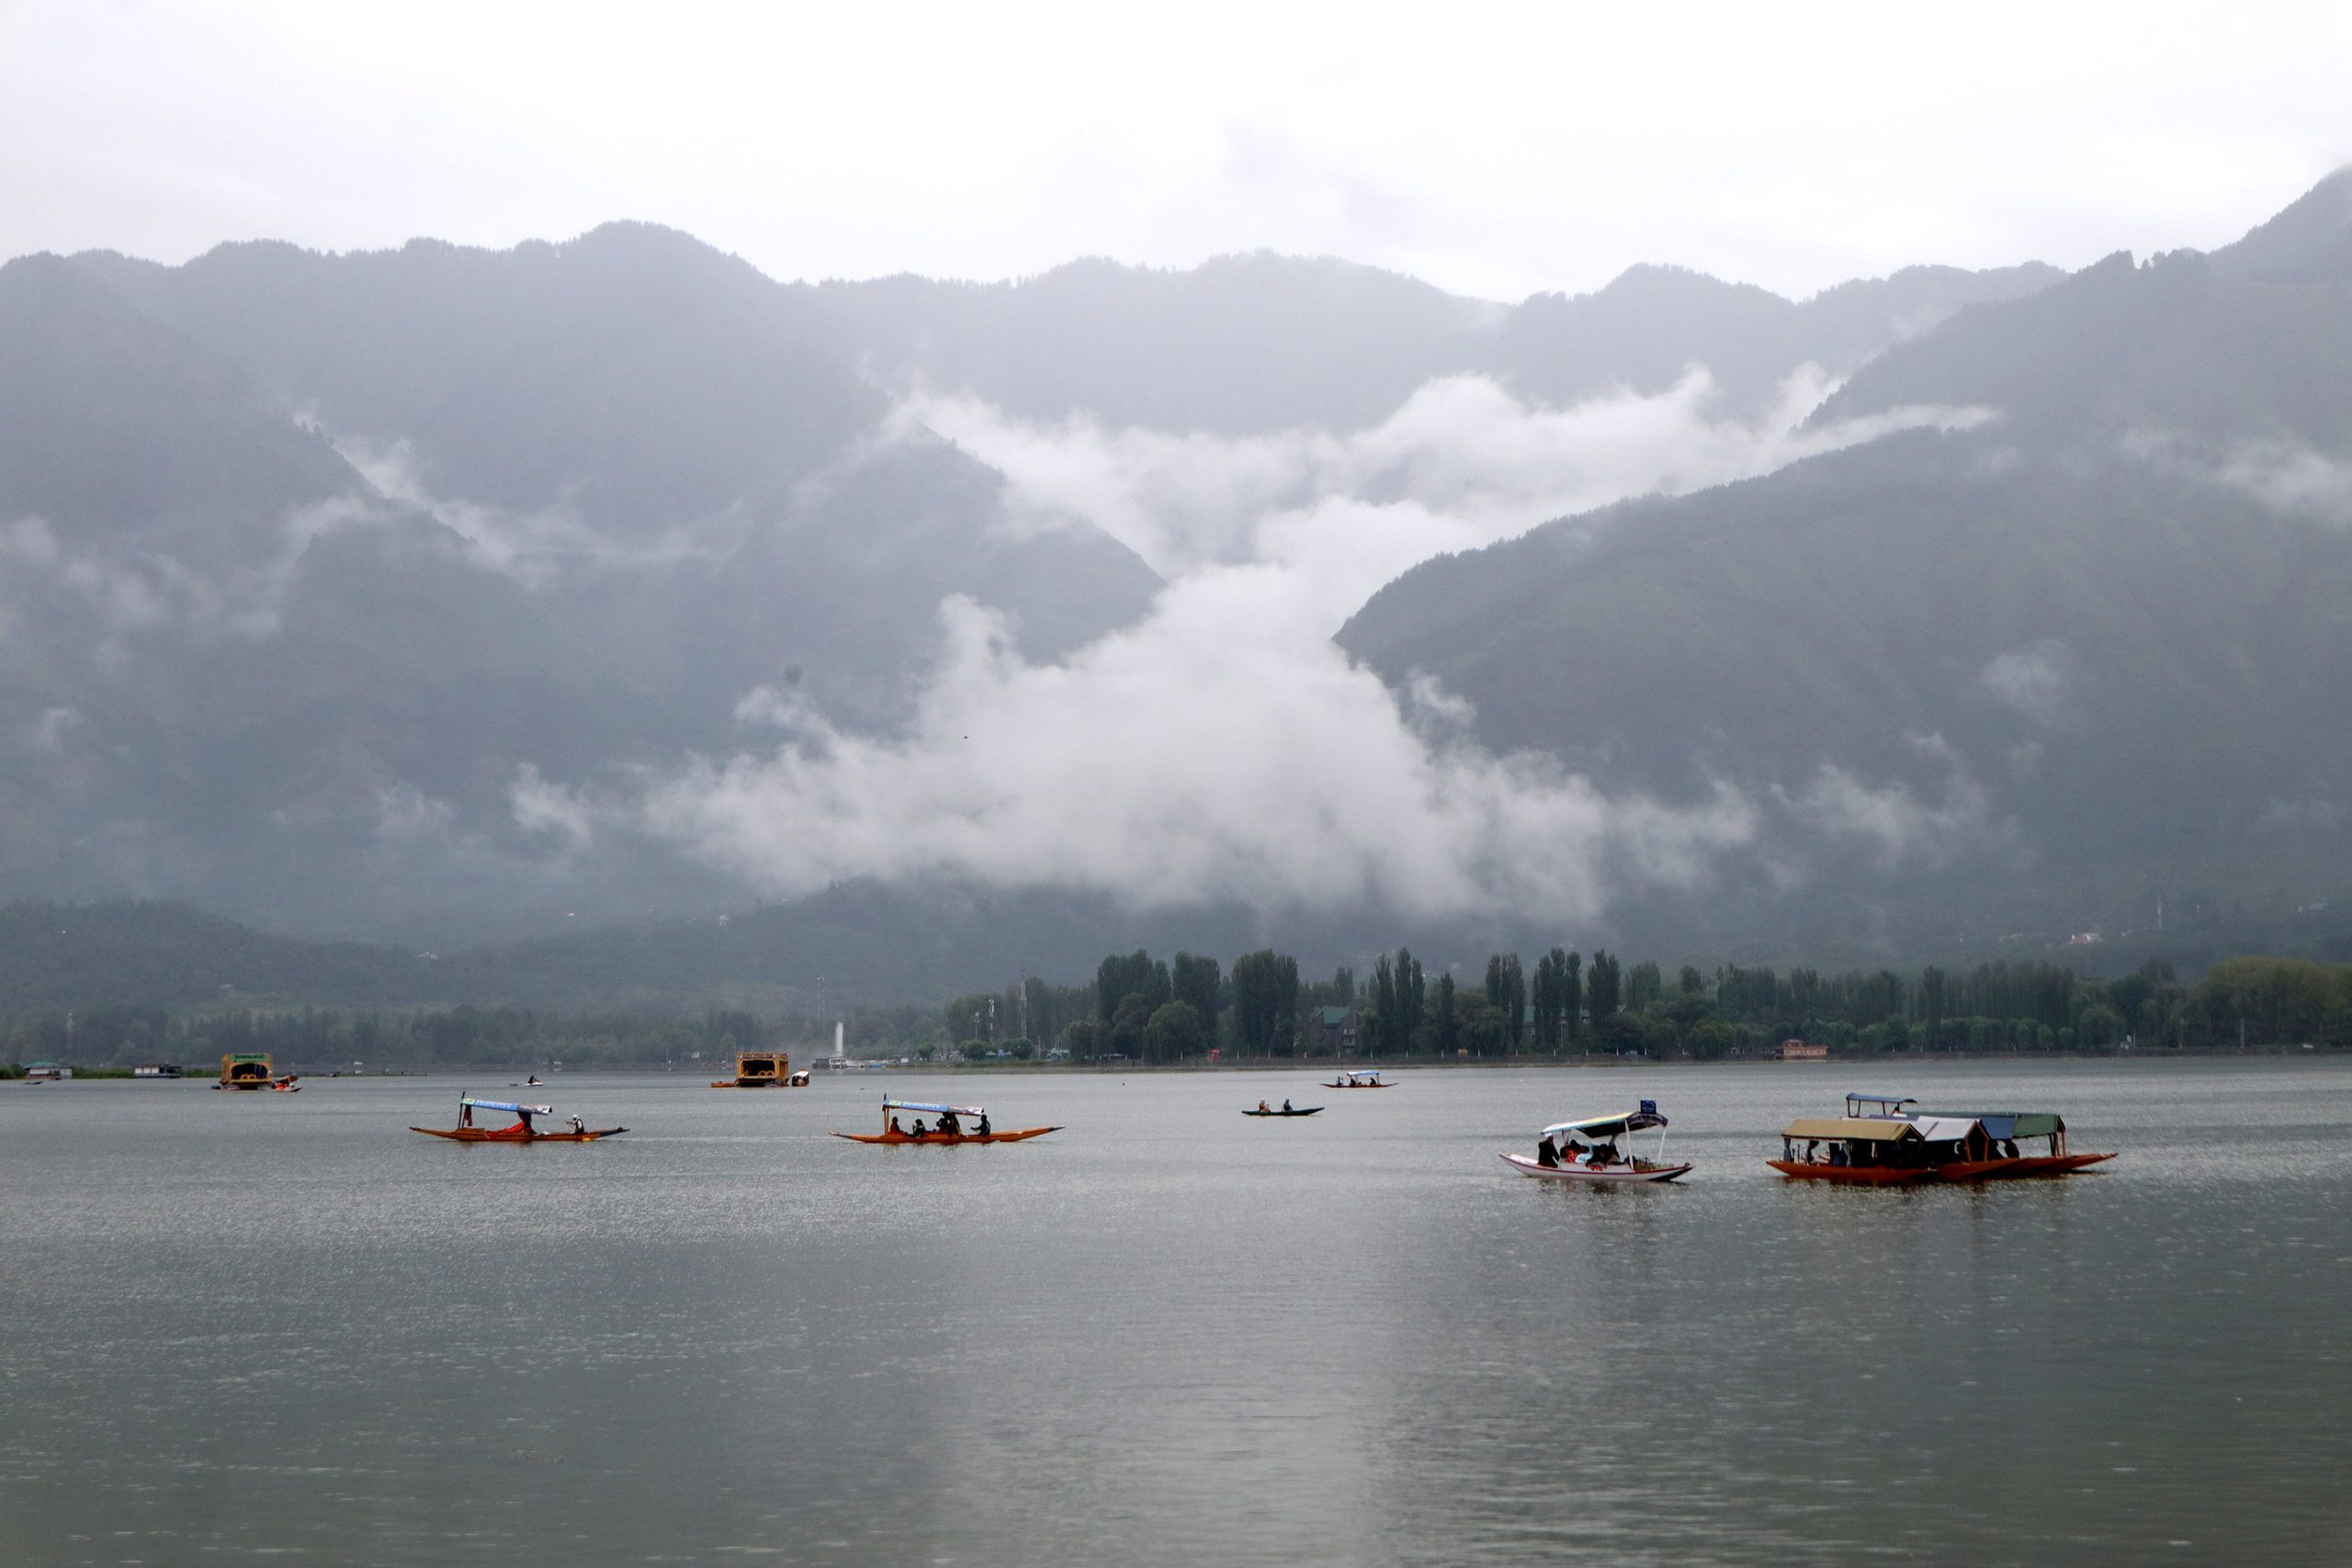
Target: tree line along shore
{"x":1193,"y":1010}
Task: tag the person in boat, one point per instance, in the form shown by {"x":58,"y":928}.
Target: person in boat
{"x":1604,"y":1154}
{"x":920,"y":1130}
{"x":578,"y":1125}
{"x":1286,"y":1107}
{"x":896,"y":1130}
{"x":1572,"y":1152}
{"x":1264,"y":1108}
{"x":521,"y":1124}
{"x":983,"y":1128}
{"x":1547,"y":1155}
{"x":950,"y":1125}
{"x":464,"y":1113}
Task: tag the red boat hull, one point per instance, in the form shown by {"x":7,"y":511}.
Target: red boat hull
{"x":1012,"y":1137}
{"x":514,"y":1135}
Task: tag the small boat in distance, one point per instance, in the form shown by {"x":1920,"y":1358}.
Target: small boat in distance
{"x":1362,"y":1078}
{"x":521,"y":1131}
{"x":951,"y":1128}
{"x":248,"y":1070}
{"x":761,"y":1069}
{"x":1287,"y":1110}
{"x":1588,"y":1150}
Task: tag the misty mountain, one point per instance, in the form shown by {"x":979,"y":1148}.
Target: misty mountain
{"x":1249,"y":344}
{"x":2053,"y":666}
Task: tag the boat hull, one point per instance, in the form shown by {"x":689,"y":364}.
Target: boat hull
{"x":1853,"y":1175}
{"x":1358,"y":1085}
{"x":1307,"y":1111}
{"x":1602,"y":1176}
{"x":485,"y":1135}
{"x":1017,"y":1135}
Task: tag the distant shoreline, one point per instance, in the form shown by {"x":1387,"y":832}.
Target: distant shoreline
{"x":1398,"y":1064}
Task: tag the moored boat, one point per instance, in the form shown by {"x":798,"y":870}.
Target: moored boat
{"x":1587,"y":1150}
{"x":248,"y":1070}
{"x":1870,"y":1151}
{"x":1366,"y":1077}
{"x":521,"y":1132}
{"x":951,"y":1129}
{"x":761,"y":1069}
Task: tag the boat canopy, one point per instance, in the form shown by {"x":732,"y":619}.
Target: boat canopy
{"x":1884,"y":1105}
{"x":1362,"y":1074}
{"x":889,"y":1104}
{"x":1851,"y":1129}
{"x":506,"y":1105}
{"x":2011,"y":1123}
{"x":1944,"y":1129}
{"x":1614,"y":1126}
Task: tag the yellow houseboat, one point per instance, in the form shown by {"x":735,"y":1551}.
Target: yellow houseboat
{"x":762,"y":1069}
{"x":245,"y":1070}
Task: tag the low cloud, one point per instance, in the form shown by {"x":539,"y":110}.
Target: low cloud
{"x":2291,"y":477}
{"x":534,"y":547}
{"x":126,"y":592}
{"x":1223,"y":748}
{"x":2035,"y":679}
{"x":1892,"y":819}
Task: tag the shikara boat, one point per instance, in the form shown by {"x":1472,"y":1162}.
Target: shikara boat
{"x":1368,"y":1077}
{"x":521,"y":1132}
{"x":951,"y":1116}
{"x":1980,"y":1146}
{"x":1863,"y":1151}
{"x":1287,"y":1110}
{"x":2005,"y":1129}
{"x":1587,"y":1150}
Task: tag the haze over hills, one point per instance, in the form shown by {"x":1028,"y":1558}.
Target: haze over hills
{"x":2053,"y":666}
{"x":438,"y":592}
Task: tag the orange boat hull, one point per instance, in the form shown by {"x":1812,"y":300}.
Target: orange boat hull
{"x":1853,"y":1175}
{"x":1012,"y":1137}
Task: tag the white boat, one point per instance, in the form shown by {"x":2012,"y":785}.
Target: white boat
{"x":1599,"y":1149}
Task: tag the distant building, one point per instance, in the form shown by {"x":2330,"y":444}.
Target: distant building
{"x":48,"y":1070}
{"x":1798,"y":1051}
{"x":155,"y":1070}
{"x":1331,"y":1032}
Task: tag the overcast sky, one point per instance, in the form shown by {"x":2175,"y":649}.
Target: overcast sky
{"x":1492,"y":150}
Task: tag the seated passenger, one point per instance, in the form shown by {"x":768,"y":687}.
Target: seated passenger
{"x":983,"y":1128}
{"x":1545,"y":1155}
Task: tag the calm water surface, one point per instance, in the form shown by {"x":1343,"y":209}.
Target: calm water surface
{"x":282,"y":1326}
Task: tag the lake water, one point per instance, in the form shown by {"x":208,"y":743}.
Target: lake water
{"x":245,"y":1326}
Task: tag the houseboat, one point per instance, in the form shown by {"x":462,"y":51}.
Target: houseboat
{"x":761,"y":1069}
{"x":245,"y":1070}
{"x":155,"y":1070}
{"x":47,"y":1072}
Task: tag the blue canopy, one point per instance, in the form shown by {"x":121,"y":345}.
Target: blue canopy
{"x":889,"y":1104}
{"x":506,"y":1105}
